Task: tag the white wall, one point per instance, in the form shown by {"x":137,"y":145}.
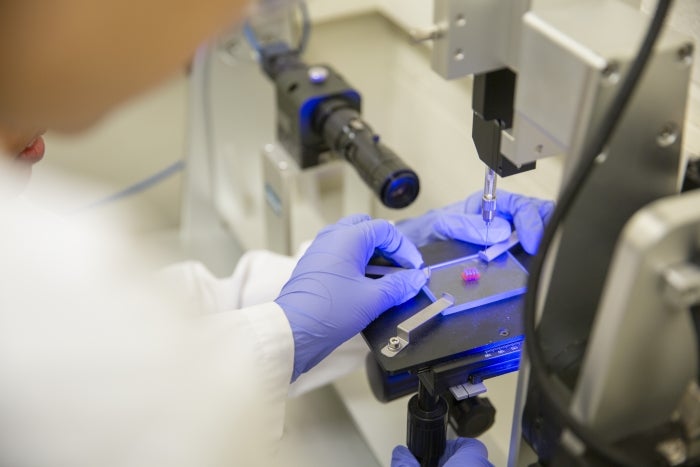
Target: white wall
{"x":409,"y":13}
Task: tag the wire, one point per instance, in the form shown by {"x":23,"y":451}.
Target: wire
{"x":570,"y":192}
{"x":256,"y":45}
{"x":137,"y":187}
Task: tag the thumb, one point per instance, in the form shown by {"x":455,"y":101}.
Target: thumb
{"x":401,"y":286}
{"x":466,"y":451}
{"x":402,"y":457}
{"x":471,"y":228}
{"x":530,"y":226}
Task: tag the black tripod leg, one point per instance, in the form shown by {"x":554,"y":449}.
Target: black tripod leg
{"x":427,"y":427}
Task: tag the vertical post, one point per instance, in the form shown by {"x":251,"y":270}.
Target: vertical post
{"x":426,"y":434}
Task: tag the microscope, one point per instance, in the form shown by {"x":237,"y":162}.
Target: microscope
{"x":318,"y":120}
{"x":610,"y":376}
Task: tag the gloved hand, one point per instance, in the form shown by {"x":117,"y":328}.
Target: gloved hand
{"x":328,"y":299}
{"x":462,"y":221}
{"x":460,"y":452}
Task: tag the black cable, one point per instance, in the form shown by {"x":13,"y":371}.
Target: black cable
{"x":695,"y":315}
{"x":596,"y":145}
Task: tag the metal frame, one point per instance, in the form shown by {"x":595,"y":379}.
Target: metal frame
{"x":643,"y":350}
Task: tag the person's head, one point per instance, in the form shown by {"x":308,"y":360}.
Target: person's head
{"x":67,"y":62}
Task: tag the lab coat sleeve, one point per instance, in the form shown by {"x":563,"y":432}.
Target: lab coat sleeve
{"x":258,"y":277}
{"x":101,"y":365}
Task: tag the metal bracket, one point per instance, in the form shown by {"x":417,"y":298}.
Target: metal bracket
{"x":467,"y":390}
{"x":410,"y":326}
{"x":682,"y":285}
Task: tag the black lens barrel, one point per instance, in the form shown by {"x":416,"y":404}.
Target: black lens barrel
{"x":344,"y":131}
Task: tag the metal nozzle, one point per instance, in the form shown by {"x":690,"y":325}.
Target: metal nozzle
{"x":488,"y":200}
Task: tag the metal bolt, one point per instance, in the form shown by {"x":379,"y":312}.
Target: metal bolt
{"x":601,"y":158}
{"x":611,"y":73}
{"x":461,"y":21}
{"x":685,"y":54}
{"x":282,"y":165}
{"x":682,"y":285}
{"x":459,"y":55}
{"x":269,"y":148}
{"x":357,"y":125}
{"x":673,"y":450}
{"x":668,"y":135}
{"x":539,"y":148}
{"x":318,"y":74}
{"x":394,"y":344}
{"x":425,"y":35}
{"x":504,"y":332}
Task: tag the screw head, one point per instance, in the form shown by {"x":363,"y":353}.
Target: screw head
{"x":356,"y":124}
{"x":673,"y":450}
{"x":460,"y":21}
{"x":503,"y":332}
{"x":318,"y":74}
{"x":667,"y":135}
{"x":611,"y":73}
{"x":685,"y":54}
{"x":459,"y":55}
{"x":394,"y":343}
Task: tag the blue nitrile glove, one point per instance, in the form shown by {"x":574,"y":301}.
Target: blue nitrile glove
{"x":462,"y":221}
{"x":460,"y":452}
{"x":328,"y":299}
{"x":453,"y":223}
{"x":528,"y":215}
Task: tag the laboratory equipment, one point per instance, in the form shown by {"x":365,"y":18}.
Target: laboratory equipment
{"x":566,"y":73}
{"x":318,"y":116}
{"x":488,"y":200}
{"x":550,"y":85}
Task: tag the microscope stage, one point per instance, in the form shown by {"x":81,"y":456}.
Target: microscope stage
{"x":473,"y":282}
{"x":490,"y":330}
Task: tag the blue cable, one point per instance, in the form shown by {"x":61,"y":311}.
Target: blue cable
{"x":137,"y":187}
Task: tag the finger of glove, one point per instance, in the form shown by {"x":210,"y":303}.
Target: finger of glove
{"x":419,"y":230}
{"x":344,"y":222}
{"x":465,"y":451}
{"x":402,"y":457}
{"x":546,"y":210}
{"x":471,"y":228}
{"x":354,"y":219}
{"x":393,"y":244}
{"x":473,"y":203}
{"x":529,"y":225}
{"x":394,"y":289}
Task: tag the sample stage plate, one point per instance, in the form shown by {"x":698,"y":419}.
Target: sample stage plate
{"x":471,"y":335}
{"x":499,"y":279}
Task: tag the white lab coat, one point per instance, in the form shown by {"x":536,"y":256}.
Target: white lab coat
{"x":103,"y":364}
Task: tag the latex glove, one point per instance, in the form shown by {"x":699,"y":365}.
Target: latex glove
{"x":460,"y":452}
{"x":328,"y":299}
{"x":462,"y":221}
